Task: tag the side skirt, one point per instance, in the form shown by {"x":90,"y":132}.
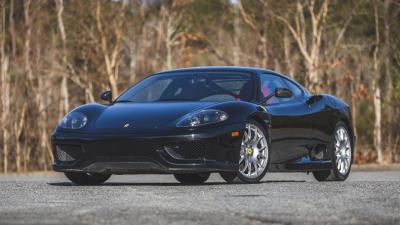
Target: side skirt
{"x":303,"y":164}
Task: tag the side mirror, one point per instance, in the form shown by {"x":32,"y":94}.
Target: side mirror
{"x":106,"y":96}
{"x":283,"y":93}
{"x":313,"y":99}
{"x":279,"y":93}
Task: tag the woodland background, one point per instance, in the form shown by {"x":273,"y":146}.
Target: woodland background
{"x":56,"y":55}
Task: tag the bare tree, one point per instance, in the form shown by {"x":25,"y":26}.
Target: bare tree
{"x":64,"y":104}
{"x":5,"y":92}
{"x":170,"y":25}
{"x":388,"y":76}
{"x":377,"y":91}
{"x":260,"y":32}
{"x":55,"y":55}
{"x":18,"y":128}
{"x":111,"y":51}
{"x":310,"y":48}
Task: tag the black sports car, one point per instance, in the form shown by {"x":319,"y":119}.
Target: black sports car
{"x":238,"y":121}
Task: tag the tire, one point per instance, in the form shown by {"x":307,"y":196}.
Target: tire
{"x":230,"y":177}
{"x":338,"y":173}
{"x":196,"y":178}
{"x":87,"y":178}
{"x":256,"y":148}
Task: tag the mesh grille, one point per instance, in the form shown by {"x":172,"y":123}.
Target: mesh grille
{"x":189,"y":150}
{"x":63,"y":156}
{"x":193,"y":146}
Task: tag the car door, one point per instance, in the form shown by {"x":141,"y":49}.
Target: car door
{"x":290,"y":119}
{"x":323,"y":120}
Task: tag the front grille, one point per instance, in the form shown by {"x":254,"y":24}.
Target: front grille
{"x":67,"y":153}
{"x":187,"y":150}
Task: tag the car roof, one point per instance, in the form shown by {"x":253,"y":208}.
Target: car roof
{"x":220,"y":68}
{"x":256,"y":70}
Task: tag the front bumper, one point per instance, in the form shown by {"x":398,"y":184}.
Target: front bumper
{"x":212,"y":150}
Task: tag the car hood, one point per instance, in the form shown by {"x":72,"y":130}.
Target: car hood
{"x":146,"y":116}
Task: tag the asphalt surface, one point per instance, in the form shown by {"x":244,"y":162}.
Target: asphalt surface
{"x":365,"y":198}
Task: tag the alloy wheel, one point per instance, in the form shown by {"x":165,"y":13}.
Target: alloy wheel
{"x":342,"y":150}
{"x":253,"y":153}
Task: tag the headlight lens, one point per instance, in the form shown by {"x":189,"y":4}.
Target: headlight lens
{"x":73,"y":120}
{"x":203,"y":117}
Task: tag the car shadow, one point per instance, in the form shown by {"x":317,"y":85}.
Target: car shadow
{"x":171,"y":184}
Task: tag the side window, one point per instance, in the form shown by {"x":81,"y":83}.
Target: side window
{"x":268,"y":83}
{"x":297,"y":92}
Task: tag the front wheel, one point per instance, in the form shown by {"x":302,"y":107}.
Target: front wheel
{"x":254,"y":156}
{"x":196,"y":178}
{"x":341,"y":155}
{"x":87,"y":178}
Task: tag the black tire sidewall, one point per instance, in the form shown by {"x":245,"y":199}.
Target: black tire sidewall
{"x":196,"y":178}
{"x":86,"y":179}
{"x":230,"y":177}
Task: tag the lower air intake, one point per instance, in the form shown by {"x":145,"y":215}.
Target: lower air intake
{"x":189,"y":150}
{"x":63,"y":156}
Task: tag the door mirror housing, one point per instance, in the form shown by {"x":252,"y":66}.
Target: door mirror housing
{"x":106,"y":96}
{"x":313,"y":99}
{"x":279,"y":93}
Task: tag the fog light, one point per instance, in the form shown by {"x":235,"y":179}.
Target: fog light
{"x":63,"y":156}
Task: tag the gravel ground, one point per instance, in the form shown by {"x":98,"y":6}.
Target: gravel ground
{"x":281,"y":198}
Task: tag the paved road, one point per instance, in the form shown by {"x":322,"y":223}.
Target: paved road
{"x":366,"y":198}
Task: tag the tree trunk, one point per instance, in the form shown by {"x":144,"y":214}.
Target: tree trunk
{"x":89,"y":93}
{"x":5,"y":90}
{"x":377,"y":91}
{"x":388,"y":79}
{"x":18,"y":128}
{"x":236,"y":38}
{"x":313,"y":77}
{"x":377,"y":126}
{"x":111,"y":58}
{"x":26,"y":156}
{"x":168,"y":42}
{"x":64,"y":104}
{"x":287,"y":50}
{"x":12,"y":30}
{"x":5,"y":116}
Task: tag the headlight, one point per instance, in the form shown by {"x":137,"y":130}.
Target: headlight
{"x":203,"y":117}
{"x":73,"y":120}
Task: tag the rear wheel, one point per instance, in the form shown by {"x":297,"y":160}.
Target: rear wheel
{"x":196,"y":178}
{"x":341,"y":155}
{"x":254,"y":156}
{"x":87,"y":178}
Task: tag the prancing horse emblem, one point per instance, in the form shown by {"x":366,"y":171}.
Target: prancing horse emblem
{"x":126,"y":125}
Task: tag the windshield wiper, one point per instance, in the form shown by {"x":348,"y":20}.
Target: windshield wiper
{"x":123,"y":101}
{"x":174,"y":99}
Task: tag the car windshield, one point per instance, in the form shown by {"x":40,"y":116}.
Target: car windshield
{"x":191,"y":87}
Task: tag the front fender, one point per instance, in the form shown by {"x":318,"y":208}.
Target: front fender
{"x":92,"y":111}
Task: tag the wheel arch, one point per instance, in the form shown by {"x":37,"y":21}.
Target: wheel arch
{"x":264,"y":119}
